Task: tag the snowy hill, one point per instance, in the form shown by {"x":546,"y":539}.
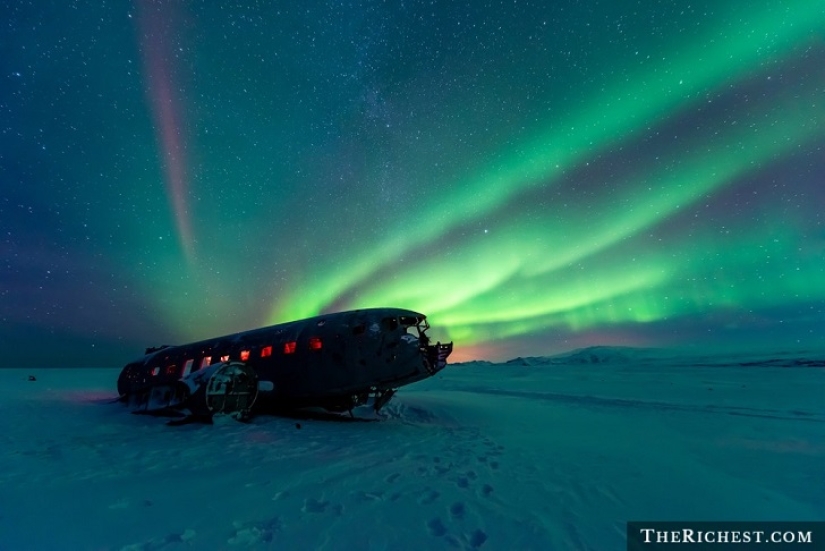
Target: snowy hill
{"x":528,"y":361}
{"x":607,"y":355}
{"x":625,"y":355}
{"x":482,"y":456}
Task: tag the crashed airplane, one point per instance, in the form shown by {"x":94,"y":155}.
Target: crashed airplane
{"x":332,"y":363}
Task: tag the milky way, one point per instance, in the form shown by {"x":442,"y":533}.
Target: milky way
{"x":533,"y":176}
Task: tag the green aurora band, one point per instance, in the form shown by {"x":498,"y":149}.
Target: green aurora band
{"x":583,"y":267}
{"x":532,"y":176}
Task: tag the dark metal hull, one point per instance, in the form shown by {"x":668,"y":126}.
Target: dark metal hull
{"x":335,"y":362}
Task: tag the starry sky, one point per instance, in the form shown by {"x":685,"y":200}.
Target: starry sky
{"x":534,"y":176}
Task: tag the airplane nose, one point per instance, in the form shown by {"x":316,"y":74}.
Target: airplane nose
{"x":437,"y":356}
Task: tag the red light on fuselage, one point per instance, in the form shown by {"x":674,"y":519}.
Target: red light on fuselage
{"x":289,"y":347}
{"x":315,"y":343}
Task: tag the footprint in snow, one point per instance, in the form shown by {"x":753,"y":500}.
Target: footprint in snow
{"x":436,"y":527}
{"x":314,"y":506}
{"x":477,"y":538}
{"x":458,"y":510}
{"x":473,"y":540}
{"x":252,"y":533}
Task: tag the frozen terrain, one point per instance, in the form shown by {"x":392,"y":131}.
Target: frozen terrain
{"x":538,"y":453}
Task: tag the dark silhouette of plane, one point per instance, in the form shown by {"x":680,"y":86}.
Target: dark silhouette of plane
{"x":331,"y":363}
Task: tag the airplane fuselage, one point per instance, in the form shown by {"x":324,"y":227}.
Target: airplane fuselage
{"x":332,"y":361}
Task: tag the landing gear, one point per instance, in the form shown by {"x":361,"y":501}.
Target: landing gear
{"x":374,"y":399}
{"x":382,"y":397}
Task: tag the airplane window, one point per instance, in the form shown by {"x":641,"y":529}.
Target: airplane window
{"x":206,"y":361}
{"x":225,"y":358}
{"x":155,"y":371}
{"x":266,"y":351}
{"x":289,"y":347}
{"x":315,"y":343}
{"x":187,"y":367}
{"x":244,"y":355}
{"x":170,"y":369}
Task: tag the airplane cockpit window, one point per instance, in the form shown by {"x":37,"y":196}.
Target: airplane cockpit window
{"x":413,"y":325}
{"x":406,"y":321}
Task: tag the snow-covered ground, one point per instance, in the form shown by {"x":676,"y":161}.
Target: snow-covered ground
{"x":539,"y":453}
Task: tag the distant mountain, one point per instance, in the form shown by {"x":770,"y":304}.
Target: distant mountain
{"x":529,"y":360}
{"x":786,"y":362}
{"x":603,"y":355}
{"x":589,"y":355}
{"x":623,"y":355}
{"x":606,"y":355}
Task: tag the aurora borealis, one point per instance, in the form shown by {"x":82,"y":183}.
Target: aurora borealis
{"x":533,"y":176}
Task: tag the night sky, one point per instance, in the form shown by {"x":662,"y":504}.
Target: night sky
{"x":535,"y":176}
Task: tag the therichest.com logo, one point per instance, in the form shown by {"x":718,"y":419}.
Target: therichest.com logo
{"x":725,"y":536}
